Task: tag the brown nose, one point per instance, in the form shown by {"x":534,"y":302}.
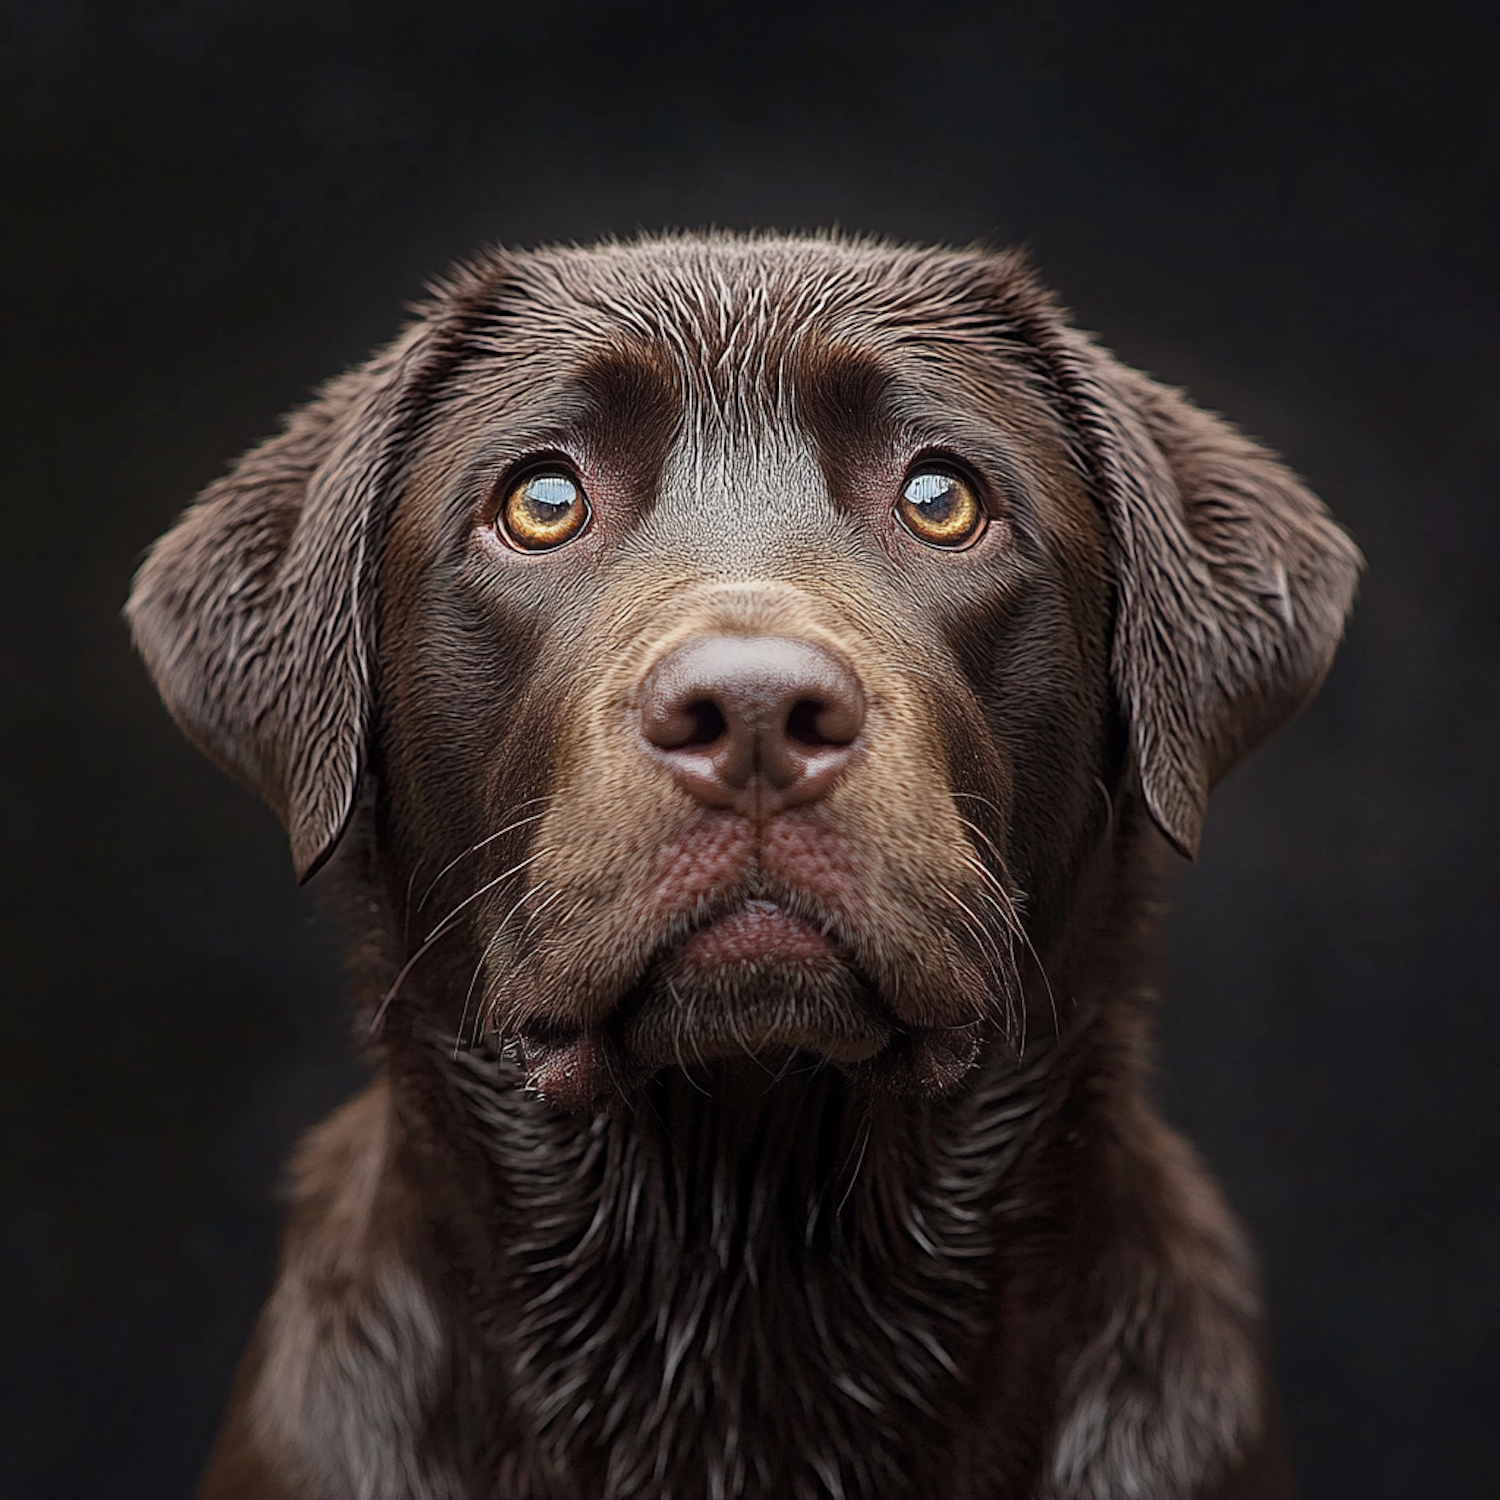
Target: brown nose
{"x":754,"y":723}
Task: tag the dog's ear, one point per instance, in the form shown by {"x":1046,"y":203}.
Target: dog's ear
{"x":1232,"y":580}
{"x":255,"y":613}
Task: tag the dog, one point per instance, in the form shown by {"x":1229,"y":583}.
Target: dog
{"x":746,"y":692}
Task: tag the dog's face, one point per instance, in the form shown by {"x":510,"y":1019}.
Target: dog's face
{"x":747,"y":641}
{"x":760,"y":628}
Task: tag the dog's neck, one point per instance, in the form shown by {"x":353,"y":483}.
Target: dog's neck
{"x":742,"y":1266}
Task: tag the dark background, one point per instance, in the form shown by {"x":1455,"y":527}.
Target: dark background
{"x":1289,"y":209}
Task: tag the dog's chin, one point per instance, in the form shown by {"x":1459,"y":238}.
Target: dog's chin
{"x":759,"y":987}
{"x":757,"y":981}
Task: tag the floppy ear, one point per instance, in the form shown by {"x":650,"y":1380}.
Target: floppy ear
{"x":1232,"y":580}
{"x":255,"y":612}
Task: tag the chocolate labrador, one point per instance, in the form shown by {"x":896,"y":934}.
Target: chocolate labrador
{"x":746,"y":691}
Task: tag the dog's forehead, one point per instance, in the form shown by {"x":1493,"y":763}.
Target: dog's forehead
{"x":729,"y":307}
{"x":738,"y":330}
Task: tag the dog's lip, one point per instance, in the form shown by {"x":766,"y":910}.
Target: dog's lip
{"x":754,"y":930}
{"x":645,"y":1030}
{"x":761,"y":938}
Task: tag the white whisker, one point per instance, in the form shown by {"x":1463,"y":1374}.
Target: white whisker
{"x":443,"y":927}
{"x":474,"y":849}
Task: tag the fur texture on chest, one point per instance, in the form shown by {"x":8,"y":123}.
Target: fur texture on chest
{"x":747,"y":1285}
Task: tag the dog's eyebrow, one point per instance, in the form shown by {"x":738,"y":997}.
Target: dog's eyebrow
{"x":630,"y":403}
{"x":855,"y":400}
{"x":843,"y":374}
{"x":623,"y":401}
{"x":632,"y":376}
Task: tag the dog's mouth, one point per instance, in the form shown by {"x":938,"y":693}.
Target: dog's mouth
{"x":757,"y":983}
{"x":758,"y":980}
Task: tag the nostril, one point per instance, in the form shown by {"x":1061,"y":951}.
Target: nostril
{"x":807,"y":724}
{"x":834,"y":719}
{"x":707,"y":721}
{"x":674,"y":721}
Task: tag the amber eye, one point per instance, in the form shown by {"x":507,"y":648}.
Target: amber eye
{"x":544,"y":510}
{"x":939,"y":508}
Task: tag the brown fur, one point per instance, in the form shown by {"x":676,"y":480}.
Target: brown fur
{"x":606,"y":1224}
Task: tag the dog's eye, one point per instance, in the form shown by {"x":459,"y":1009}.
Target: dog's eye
{"x":939,"y":508}
{"x":544,"y":510}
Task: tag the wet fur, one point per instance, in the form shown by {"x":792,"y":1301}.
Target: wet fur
{"x":986,"y":1271}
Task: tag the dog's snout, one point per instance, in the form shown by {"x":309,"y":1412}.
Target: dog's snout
{"x":753,"y":723}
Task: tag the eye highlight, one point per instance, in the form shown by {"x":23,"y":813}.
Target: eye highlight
{"x":544,"y":510}
{"x":939,"y":508}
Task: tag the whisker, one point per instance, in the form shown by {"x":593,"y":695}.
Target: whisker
{"x":996,"y":893}
{"x":474,"y":849}
{"x":443,"y":927}
{"x":864,"y":1145}
{"x":463,"y":1020}
{"x":1001,"y":960}
{"x":1109,"y":809}
{"x":975,"y":922}
{"x":490,"y":885}
{"x":786,"y":1067}
{"x":990,"y":950}
{"x":993,"y":806}
{"x":406,"y":912}
{"x":492,"y":1003}
{"x":1013,"y":928}
{"x":1007,"y":906}
{"x":677,"y":1028}
{"x":621,"y":1092}
{"x":536,"y":911}
{"x":975,"y":829}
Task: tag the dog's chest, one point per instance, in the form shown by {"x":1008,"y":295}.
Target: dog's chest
{"x":759,"y":1293}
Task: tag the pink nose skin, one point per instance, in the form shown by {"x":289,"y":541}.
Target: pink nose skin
{"x":753,"y":723}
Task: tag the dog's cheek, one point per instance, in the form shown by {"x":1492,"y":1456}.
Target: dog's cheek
{"x":1036,"y":665}
{"x":462,"y":746}
{"x":560,"y":937}
{"x":932,"y":918}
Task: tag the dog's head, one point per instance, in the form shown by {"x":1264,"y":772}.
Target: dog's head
{"x":745,"y":639}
